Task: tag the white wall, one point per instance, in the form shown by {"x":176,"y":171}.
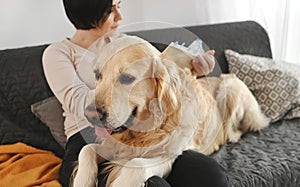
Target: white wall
{"x":31,"y":22}
{"x":158,"y":13}
{"x":34,"y":22}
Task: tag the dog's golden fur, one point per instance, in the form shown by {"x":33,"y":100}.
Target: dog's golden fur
{"x":173,"y":107}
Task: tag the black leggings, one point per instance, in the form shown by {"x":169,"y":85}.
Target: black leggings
{"x":191,"y":169}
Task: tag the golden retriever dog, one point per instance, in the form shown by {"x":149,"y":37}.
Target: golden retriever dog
{"x":148,"y":110}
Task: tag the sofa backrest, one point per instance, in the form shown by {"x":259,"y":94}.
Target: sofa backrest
{"x":22,"y":83}
{"x":244,"y":37}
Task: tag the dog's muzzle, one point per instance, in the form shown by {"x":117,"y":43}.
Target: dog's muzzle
{"x":98,"y":118}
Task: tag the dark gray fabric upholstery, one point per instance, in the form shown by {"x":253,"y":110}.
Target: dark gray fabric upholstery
{"x":22,"y":83}
{"x":269,"y":158}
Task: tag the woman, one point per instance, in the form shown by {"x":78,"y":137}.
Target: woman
{"x":68,"y":69}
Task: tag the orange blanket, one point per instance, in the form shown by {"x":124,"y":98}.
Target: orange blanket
{"x":22,"y":165}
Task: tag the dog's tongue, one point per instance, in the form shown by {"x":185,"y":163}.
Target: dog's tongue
{"x":102,"y":132}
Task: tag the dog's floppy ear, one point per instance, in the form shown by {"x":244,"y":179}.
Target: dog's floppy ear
{"x":167,"y":86}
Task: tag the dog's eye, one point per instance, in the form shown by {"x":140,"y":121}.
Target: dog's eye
{"x":126,"y":79}
{"x":98,"y":75}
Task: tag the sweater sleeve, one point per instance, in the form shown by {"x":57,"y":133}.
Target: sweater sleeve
{"x":65,"y":83}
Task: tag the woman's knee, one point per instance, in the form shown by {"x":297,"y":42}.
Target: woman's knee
{"x":195,"y":169}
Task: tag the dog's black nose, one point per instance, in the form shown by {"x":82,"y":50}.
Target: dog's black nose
{"x":101,"y":113}
{"x":96,"y":116}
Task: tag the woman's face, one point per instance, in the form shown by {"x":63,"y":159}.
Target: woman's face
{"x":111,"y":23}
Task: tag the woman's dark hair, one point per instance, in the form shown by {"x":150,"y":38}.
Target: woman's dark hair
{"x":86,"y":14}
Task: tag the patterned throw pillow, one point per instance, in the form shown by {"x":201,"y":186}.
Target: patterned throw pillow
{"x":274,"y":85}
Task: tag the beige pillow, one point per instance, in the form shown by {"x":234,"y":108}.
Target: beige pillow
{"x":50,"y":112}
{"x":275,"y":84}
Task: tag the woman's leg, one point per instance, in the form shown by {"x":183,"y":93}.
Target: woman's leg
{"x":190,"y":169}
{"x":194,"y":169}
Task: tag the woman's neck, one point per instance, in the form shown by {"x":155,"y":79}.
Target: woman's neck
{"x":85,"y":38}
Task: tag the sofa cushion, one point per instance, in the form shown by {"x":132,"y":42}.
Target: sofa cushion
{"x":50,"y":112}
{"x":269,"y":158}
{"x":274,"y":84}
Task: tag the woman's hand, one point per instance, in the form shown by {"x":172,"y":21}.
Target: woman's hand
{"x":204,"y":64}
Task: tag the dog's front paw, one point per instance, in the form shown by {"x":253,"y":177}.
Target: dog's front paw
{"x":87,"y":169}
{"x":130,"y":176}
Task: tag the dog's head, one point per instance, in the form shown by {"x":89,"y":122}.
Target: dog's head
{"x":137,"y":97}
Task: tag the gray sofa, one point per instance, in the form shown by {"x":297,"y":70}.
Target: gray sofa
{"x":269,"y":158}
